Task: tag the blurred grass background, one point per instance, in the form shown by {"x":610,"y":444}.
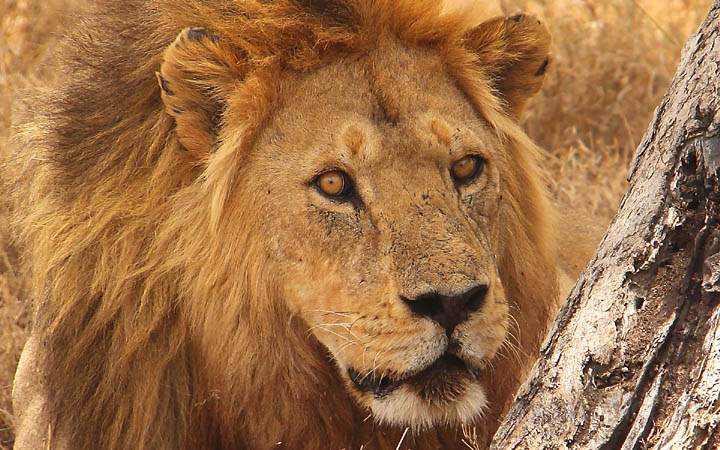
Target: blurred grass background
{"x":613,"y":60}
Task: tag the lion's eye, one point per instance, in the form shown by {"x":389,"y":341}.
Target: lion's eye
{"x":467,"y":169}
{"x":335,"y":184}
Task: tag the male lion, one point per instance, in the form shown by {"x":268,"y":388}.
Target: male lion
{"x":291,"y":223}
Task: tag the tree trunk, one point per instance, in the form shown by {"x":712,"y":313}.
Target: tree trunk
{"x":634,"y":358}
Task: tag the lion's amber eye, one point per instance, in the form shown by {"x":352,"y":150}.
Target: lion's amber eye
{"x":467,"y":168}
{"x":334,"y":183}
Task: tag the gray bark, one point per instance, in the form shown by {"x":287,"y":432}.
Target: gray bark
{"x":633,"y":360}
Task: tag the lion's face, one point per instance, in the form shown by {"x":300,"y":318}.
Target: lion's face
{"x":376,"y":189}
{"x":380,"y":197}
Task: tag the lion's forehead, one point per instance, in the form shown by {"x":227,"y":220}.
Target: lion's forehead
{"x":366,"y":103}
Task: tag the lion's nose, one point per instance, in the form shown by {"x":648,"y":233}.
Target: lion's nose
{"x":448,"y":311}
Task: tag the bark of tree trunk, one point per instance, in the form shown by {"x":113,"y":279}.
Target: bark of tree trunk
{"x":634,"y":358}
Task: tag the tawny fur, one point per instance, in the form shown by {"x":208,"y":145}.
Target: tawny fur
{"x":160,"y":315}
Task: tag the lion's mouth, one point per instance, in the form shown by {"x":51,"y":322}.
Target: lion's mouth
{"x":446,"y":370}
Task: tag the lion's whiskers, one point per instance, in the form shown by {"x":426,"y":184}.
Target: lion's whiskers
{"x":348,"y":314}
{"x":345,"y":338}
{"x":512,"y":347}
{"x":347,"y":326}
{"x":344,"y":346}
{"x":378,"y":354}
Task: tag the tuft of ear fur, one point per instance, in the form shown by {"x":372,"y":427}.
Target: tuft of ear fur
{"x":197,"y":73}
{"x":514,"y":52}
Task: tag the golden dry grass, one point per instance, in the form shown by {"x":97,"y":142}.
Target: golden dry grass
{"x":613,"y":61}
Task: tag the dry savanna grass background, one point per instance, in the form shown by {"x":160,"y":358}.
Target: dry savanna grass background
{"x":613,"y":60}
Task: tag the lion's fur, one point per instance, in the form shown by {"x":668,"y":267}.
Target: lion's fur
{"x":134,"y":241}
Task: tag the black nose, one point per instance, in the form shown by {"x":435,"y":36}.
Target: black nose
{"x":448,"y":311}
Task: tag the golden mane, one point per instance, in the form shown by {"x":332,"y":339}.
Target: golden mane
{"x":131,"y":237}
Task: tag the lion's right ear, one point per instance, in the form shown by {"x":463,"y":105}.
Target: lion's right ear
{"x":515,"y":53}
{"x":196,"y":76}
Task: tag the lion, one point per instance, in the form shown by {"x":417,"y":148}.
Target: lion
{"x":292,"y":224}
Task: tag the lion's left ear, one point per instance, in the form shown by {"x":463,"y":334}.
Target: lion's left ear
{"x":197,"y":74}
{"x":515,"y":52}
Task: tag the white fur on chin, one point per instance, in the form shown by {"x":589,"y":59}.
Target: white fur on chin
{"x":404,"y":408}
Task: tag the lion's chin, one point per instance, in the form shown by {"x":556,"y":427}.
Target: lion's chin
{"x":446,"y":393}
{"x":405,"y":408}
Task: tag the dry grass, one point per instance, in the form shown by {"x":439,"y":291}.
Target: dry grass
{"x":613,"y":61}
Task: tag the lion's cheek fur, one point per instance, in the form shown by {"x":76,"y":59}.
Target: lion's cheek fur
{"x":356,"y":325}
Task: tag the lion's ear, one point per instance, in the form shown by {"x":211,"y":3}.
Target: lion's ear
{"x":196,"y":76}
{"x":515,"y":52}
